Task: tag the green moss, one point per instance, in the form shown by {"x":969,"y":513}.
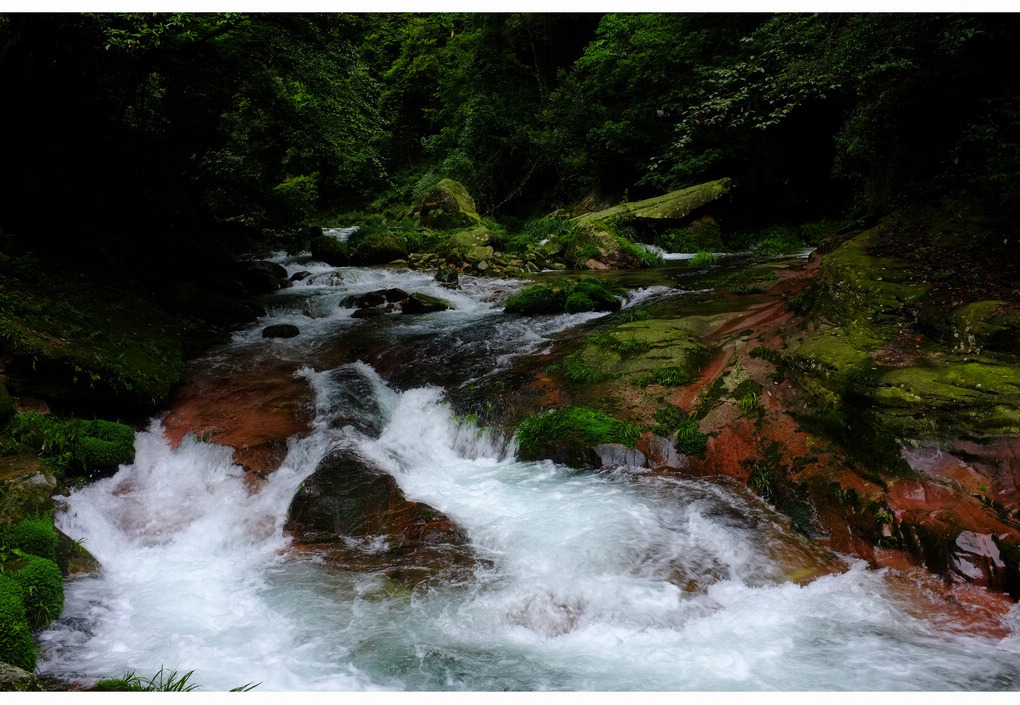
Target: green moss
{"x":106,"y":443}
{"x":16,"y":645}
{"x":541,"y":299}
{"x":35,"y":536}
{"x":42,"y":587}
{"x":674,"y":205}
{"x":574,"y":423}
{"x":674,"y":421}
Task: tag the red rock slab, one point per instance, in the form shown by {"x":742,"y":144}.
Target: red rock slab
{"x":253,"y":411}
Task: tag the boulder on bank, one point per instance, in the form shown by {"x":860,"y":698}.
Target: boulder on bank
{"x":448,"y":205}
{"x":259,"y":277}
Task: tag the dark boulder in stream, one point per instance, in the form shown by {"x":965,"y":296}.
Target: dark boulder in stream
{"x":281,"y":330}
{"x":355,"y":514}
{"x":423,"y":303}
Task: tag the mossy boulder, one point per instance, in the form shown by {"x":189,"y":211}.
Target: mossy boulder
{"x":26,"y":488}
{"x":378,"y":247}
{"x":330,"y":250}
{"x":984,"y":325}
{"x":423,"y":303}
{"x":466,"y":239}
{"x":478,"y":253}
{"x":589,"y":295}
{"x":448,"y":205}
{"x":16,"y":645}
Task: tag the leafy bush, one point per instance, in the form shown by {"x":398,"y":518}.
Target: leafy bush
{"x":74,"y":444}
{"x":297,"y":196}
{"x":702,"y":259}
{"x":42,"y":587}
{"x":575,"y":422}
{"x":35,"y":536}
{"x":16,"y":645}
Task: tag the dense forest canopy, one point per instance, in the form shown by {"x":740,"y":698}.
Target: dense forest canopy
{"x":169,"y":122}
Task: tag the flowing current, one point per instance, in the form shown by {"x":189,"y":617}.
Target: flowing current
{"x":617,"y":580}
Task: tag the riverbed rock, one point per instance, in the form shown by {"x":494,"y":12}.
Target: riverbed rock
{"x":448,"y":277}
{"x":423,"y":303}
{"x":17,"y":680}
{"x":260,"y":277}
{"x":448,"y":205}
{"x":354,"y":514}
{"x":281,"y":330}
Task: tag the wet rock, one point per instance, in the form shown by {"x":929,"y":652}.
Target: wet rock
{"x":977,"y":560}
{"x":370,"y":312}
{"x":356,"y":515}
{"x":259,"y":277}
{"x":478,"y":254}
{"x":448,"y":277}
{"x":73,"y":559}
{"x":661,"y":453}
{"x":26,"y":488}
{"x":17,"y":680}
{"x":280,"y":330}
{"x":423,"y":303}
{"x":617,"y":455}
{"x":300,"y":276}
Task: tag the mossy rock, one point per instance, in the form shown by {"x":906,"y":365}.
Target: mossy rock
{"x":42,"y":587}
{"x":423,"y":303}
{"x":106,"y":443}
{"x":16,"y":645}
{"x":377,"y":247}
{"x":566,"y":435}
{"x":641,"y":352}
{"x":26,"y":488}
{"x":18,"y":680}
{"x":330,"y":250}
{"x":675,"y":205}
{"x":478,"y":253}
{"x":983,"y":325}
{"x":540,"y":299}
{"x":466,"y":239}
{"x":448,"y":205}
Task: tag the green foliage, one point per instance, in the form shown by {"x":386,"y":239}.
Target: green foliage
{"x":581,"y":423}
{"x":666,"y":377}
{"x":74,"y":444}
{"x":748,"y":397}
{"x":704,"y":237}
{"x":42,"y":587}
{"x":297,"y":196}
{"x":16,"y":645}
{"x":612,"y":342}
{"x":330,"y":250}
{"x":34,"y":536}
{"x":674,"y":421}
{"x":163,"y":681}
{"x":702,"y":259}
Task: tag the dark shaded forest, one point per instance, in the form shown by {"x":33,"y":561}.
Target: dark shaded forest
{"x":132,"y":137}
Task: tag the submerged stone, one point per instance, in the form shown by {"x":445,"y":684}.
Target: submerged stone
{"x":280,"y":330}
{"x":423,"y":303}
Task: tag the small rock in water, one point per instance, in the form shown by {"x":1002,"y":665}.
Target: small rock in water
{"x":423,"y":303}
{"x":448,"y":277}
{"x":370,"y":312}
{"x":280,"y":330}
{"x":300,"y":276}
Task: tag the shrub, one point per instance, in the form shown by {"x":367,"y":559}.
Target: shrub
{"x":702,"y":259}
{"x":35,"y":536}
{"x":16,"y":645}
{"x":42,"y":588}
{"x":297,"y":196}
{"x":574,"y":422}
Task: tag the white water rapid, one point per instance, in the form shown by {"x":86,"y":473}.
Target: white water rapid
{"x":589,"y":581}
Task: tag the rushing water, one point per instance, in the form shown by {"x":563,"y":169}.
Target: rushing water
{"x":591,"y":581}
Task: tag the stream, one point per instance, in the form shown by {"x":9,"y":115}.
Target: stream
{"x":588,"y":581}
